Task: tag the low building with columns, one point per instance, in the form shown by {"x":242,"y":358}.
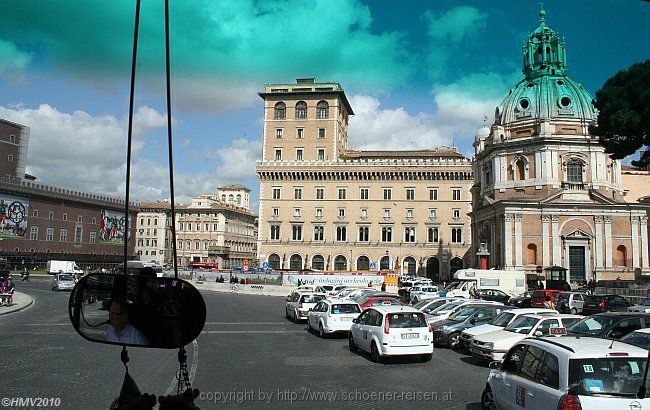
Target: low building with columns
{"x":546,"y":193}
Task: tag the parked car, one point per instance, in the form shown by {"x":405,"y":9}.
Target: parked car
{"x":428,"y":305}
{"x":499,"y":322}
{"x":610,"y":325}
{"x":421,"y":292}
{"x":299,"y":303}
{"x":494,"y":345}
{"x":539,"y":297}
{"x":567,"y":373}
{"x":494,"y":295}
{"x":521,"y":301}
{"x":639,"y":338}
{"x":604,"y":303}
{"x":570,"y":302}
{"x":62,"y":281}
{"x":332,"y":290}
{"x":443,"y":312}
{"x":308,"y":288}
{"x":374,"y":300}
{"x":332,"y":315}
{"x":359,"y":293}
{"x":643,"y":307}
{"x":344,"y":293}
{"x":391,"y":331}
{"x":448,"y":331}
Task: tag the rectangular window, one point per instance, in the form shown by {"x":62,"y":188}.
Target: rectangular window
{"x":321,"y":154}
{"x":387,"y":234}
{"x":364,"y":234}
{"x":77,"y":235}
{"x":297,"y":193}
{"x":341,"y":233}
{"x":214,"y":227}
{"x":299,"y":154}
{"x":300,"y":133}
{"x":433,"y":235}
{"x":275,"y":232}
{"x":386,"y":213}
{"x":198,"y":226}
{"x":278,"y":154}
{"x":410,"y":194}
{"x":320,"y":193}
{"x":65,"y":217}
{"x":321,"y":133}
{"x":409,"y":213}
{"x":364,"y":193}
{"x":456,"y":194}
{"x":388,"y":194}
{"x":296,"y":212}
{"x":275,"y":211}
{"x":319,"y":233}
{"x":296,"y":232}
{"x":33,"y":233}
{"x":276,"y":193}
{"x":364,"y":213}
{"x":207,"y":228}
{"x":456,"y":213}
{"x":278,"y":133}
{"x":50,"y":215}
{"x":341,"y":212}
{"x":12,"y":139}
{"x":433,"y":194}
{"x":456,"y":235}
{"x":319,"y":212}
{"x":10,"y":158}
{"x":35,"y":213}
{"x":93,"y":238}
{"x":49,"y":234}
{"x":79,"y":218}
{"x":342,"y":193}
{"x":432,"y":214}
{"x":409,"y":234}
{"x":180,"y":226}
{"x":189,"y":226}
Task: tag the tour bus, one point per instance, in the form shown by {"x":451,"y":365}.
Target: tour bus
{"x":512,"y":282}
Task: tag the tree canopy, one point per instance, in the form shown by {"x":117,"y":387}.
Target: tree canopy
{"x":624,"y":111}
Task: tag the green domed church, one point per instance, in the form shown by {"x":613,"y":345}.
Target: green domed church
{"x":545,"y":192}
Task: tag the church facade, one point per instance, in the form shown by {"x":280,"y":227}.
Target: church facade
{"x":546,"y":193}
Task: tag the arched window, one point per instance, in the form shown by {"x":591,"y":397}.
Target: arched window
{"x":410,"y":262}
{"x":363,"y":263}
{"x":230,"y":198}
{"x":340,"y":263}
{"x":280,"y":111}
{"x":295,"y":263}
{"x":238,"y":199}
{"x":433,"y":235}
{"x":574,"y":171}
{"x":274,"y":261}
{"x":301,"y":109}
{"x":621,"y":256}
{"x":521,"y":170}
{"x":318,"y":263}
{"x":455,"y":264}
{"x":341,"y":233}
{"x":322,"y":109}
{"x":384,"y":263}
{"x":223,"y":197}
{"x":532,"y":254}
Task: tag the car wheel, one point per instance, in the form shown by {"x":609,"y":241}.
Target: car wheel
{"x":374,"y":353}
{"x":427,"y":357}
{"x":487,"y":399}
{"x":286,"y":314}
{"x":454,"y":341}
{"x":351,"y":344}
{"x":321,"y":331}
{"x":573,"y":311}
{"x":295,"y":317}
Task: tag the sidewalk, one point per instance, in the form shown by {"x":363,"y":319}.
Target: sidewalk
{"x":20,"y":301}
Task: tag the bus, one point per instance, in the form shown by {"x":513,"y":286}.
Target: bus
{"x":204,"y":265}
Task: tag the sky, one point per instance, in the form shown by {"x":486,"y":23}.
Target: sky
{"x":422,"y":71}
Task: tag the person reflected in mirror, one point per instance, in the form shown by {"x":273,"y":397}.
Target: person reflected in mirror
{"x":121,"y":331}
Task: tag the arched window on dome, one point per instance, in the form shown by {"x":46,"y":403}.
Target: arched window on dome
{"x":621,"y":256}
{"x":521,"y":170}
{"x":280,"y":112}
{"x":548,"y":53}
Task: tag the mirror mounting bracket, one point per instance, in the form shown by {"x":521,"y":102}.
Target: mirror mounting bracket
{"x":182,"y":376}
{"x":124,"y":356}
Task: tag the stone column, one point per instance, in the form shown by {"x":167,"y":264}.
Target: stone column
{"x":507,"y":241}
{"x":598,"y":242}
{"x":557,"y":247}
{"x":634,"y":222}
{"x":545,"y":242}
{"x":608,"y":242}
{"x":518,"y":242}
{"x":645,"y":263}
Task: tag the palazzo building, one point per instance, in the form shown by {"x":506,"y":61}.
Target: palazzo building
{"x":325,"y":207}
{"x":545,"y":192}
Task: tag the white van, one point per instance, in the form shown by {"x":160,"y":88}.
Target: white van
{"x":512,"y":282}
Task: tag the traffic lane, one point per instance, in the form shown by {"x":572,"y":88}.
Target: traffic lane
{"x":266,"y":357}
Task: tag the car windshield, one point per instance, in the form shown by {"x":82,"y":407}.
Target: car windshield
{"x":345,"y":308}
{"x":502,"y":320}
{"x":452,"y":285}
{"x":462,"y":314}
{"x":344,"y":293}
{"x":539,"y":294}
{"x":522,"y":325}
{"x":423,"y":303}
{"x":312,"y":298}
{"x":447,"y":307}
{"x":328,"y":287}
{"x":645,"y":302}
{"x":592,"y":325}
{"x":433,"y":306}
{"x":430,"y":289}
{"x":64,"y":277}
{"x":564,"y":296}
{"x":404,"y":320}
{"x":616,"y":376}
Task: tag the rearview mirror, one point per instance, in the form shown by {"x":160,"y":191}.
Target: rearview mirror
{"x":135,"y":310}
{"x":539,"y":333}
{"x":616,"y":334}
{"x":355,"y":320}
{"x":495,"y":365}
{"x":472,"y":321}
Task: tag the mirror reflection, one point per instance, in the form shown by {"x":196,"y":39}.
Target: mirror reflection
{"x":137,"y":310}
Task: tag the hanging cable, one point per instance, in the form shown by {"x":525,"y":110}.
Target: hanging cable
{"x":130,"y":134}
{"x":169,"y":139}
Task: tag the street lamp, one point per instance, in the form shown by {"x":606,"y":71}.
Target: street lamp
{"x":387,"y":260}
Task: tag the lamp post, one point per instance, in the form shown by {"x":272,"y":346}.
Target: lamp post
{"x":387,"y":261}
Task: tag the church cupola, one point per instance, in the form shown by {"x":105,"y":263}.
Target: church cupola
{"x":544,"y":52}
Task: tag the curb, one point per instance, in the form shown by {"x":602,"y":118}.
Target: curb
{"x":15,"y":309}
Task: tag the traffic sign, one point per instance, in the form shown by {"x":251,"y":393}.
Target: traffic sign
{"x":265,"y":265}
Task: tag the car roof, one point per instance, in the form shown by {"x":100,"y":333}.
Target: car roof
{"x":534,"y":311}
{"x":646,"y":330}
{"x":577,"y":347}
{"x":622,"y":314}
{"x":561,"y":316}
{"x":332,"y":301}
{"x":395,"y":309}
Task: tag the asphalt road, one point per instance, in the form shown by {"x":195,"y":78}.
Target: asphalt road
{"x":248,"y":355}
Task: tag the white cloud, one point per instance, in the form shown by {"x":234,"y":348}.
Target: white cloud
{"x":211,"y":95}
{"x":146,"y":119}
{"x":186,"y":143}
{"x":238,"y":160}
{"x":13,"y":62}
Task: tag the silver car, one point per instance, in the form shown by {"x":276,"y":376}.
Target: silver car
{"x":62,"y":281}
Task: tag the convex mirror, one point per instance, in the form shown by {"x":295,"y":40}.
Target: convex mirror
{"x":136,"y":310}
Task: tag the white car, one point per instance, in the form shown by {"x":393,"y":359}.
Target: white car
{"x":494,"y":345}
{"x":332,"y":290}
{"x":391,"y":331}
{"x":300,"y":302}
{"x":428,"y":305}
{"x":62,"y":281}
{"x":421,"y":292}
{"x":442,"y":312}
{"x":501,"y":321}
{"x":332,"y":315}
{"x":568,"y":372}
{"x":643,"y":307}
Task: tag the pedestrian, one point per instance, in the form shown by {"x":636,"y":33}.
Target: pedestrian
{"x":370,"y":284}
{"x":383,"y":287}
{"x":547,"y":302}
{"x":473,"y":293}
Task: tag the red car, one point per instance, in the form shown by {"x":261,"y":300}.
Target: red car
{"x":539,"y":297}
{"x":369,"y":301}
